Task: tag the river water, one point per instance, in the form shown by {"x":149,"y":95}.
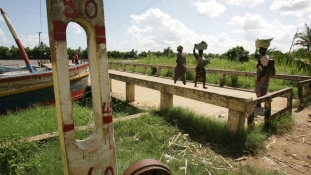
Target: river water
{"x":18,"y":63}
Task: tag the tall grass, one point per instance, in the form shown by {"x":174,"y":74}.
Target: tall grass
{"x":218,"y":63}
{"x":225,"y":64}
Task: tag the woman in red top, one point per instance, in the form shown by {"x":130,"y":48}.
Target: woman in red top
{"x":76,"y":58}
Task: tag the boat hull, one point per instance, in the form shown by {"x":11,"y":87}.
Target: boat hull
{"x":23,"y":91}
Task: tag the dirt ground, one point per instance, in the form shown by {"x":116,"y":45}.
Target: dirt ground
{"x":289,"y":153}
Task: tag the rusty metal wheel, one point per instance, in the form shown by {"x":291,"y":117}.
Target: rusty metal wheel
{"x":147,"y":167}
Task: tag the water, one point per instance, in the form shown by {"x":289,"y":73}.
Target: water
{"x":19,"y":63}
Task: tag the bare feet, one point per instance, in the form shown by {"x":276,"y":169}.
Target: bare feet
{"x":204,"y":87}
{"x":195,"y":86}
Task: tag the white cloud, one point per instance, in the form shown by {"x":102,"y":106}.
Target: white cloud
{"x":30,"y":40}
{"x":254,"y":26}
{"x":77,"y":29}
{"x":223,"y":37}
{"x":291,"y":7}
{"x":3,"y":38}
{"x":247,"y":3}
{"x":248,"y":22}
{"x":210,"y":8}
{"x":155,"y":30}
{"x":33,"y":40}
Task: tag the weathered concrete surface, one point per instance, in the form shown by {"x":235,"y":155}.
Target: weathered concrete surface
{"x":149,"y":98}
{"x":234,"y":102}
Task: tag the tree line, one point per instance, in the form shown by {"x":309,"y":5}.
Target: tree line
{"x":42,"y":52}
{"x":238,"y":53}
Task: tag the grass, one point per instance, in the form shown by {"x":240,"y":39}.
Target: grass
{"x":217,"y":63}
{"x":173,"y":136}
{"x":42,"y":119}
{"x":178,"y":137}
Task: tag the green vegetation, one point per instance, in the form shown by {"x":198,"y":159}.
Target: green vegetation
{"x":304,"y":39}
{"x":175,"y":136}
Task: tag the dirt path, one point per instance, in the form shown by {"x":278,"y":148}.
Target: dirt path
{"x":290,"y":153}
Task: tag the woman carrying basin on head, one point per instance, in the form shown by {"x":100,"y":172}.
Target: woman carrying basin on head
{"x":200,"y":71}
{"x":262,"y":78}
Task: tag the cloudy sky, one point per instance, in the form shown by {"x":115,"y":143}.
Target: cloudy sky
{"x":153,"y":25}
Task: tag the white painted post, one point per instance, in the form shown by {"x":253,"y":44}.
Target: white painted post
{"x":97,"y":153}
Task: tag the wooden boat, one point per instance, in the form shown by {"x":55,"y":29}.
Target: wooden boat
{"x":21,"y":89}
{"x":7,"y":69}
{"x":4,"y":69}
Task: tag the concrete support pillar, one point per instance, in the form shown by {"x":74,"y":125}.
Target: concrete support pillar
{"x":236,"y":120}
{"x":117,"y":66}
{"x":134,"y":69}
{"x":222,"y":80}
{"x":145,"y":70}
{"x":173,"y":70}
{"x":300,"y":95}
{"x":130,"y":92}
{"x":166,"y":100}
{"x":158,"y":71}
{"x":267,"y":113}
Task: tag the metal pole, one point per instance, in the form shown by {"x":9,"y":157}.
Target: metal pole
{"x":19,"y":44}
{"x":40,"y":49}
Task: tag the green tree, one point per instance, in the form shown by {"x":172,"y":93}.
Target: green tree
{"x":70,"y":53}
{"x":5,"y":53}
{"x":16,"y":54}
{"x":115,"y":54}
{"x":299,"y":53}
{"x":304,"y":39}
{"x":131,"y":54}
{"x":158,"y":54}
{"x":238,"y":54}
{"x":143,"y":54}
{"x":168,"y":52}
{"x":84,"y":54}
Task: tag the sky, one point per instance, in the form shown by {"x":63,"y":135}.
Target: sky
{"x":153,"y":25}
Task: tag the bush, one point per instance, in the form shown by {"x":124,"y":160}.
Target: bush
{"x":238,"y":54}
{"x":16,"y":158}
